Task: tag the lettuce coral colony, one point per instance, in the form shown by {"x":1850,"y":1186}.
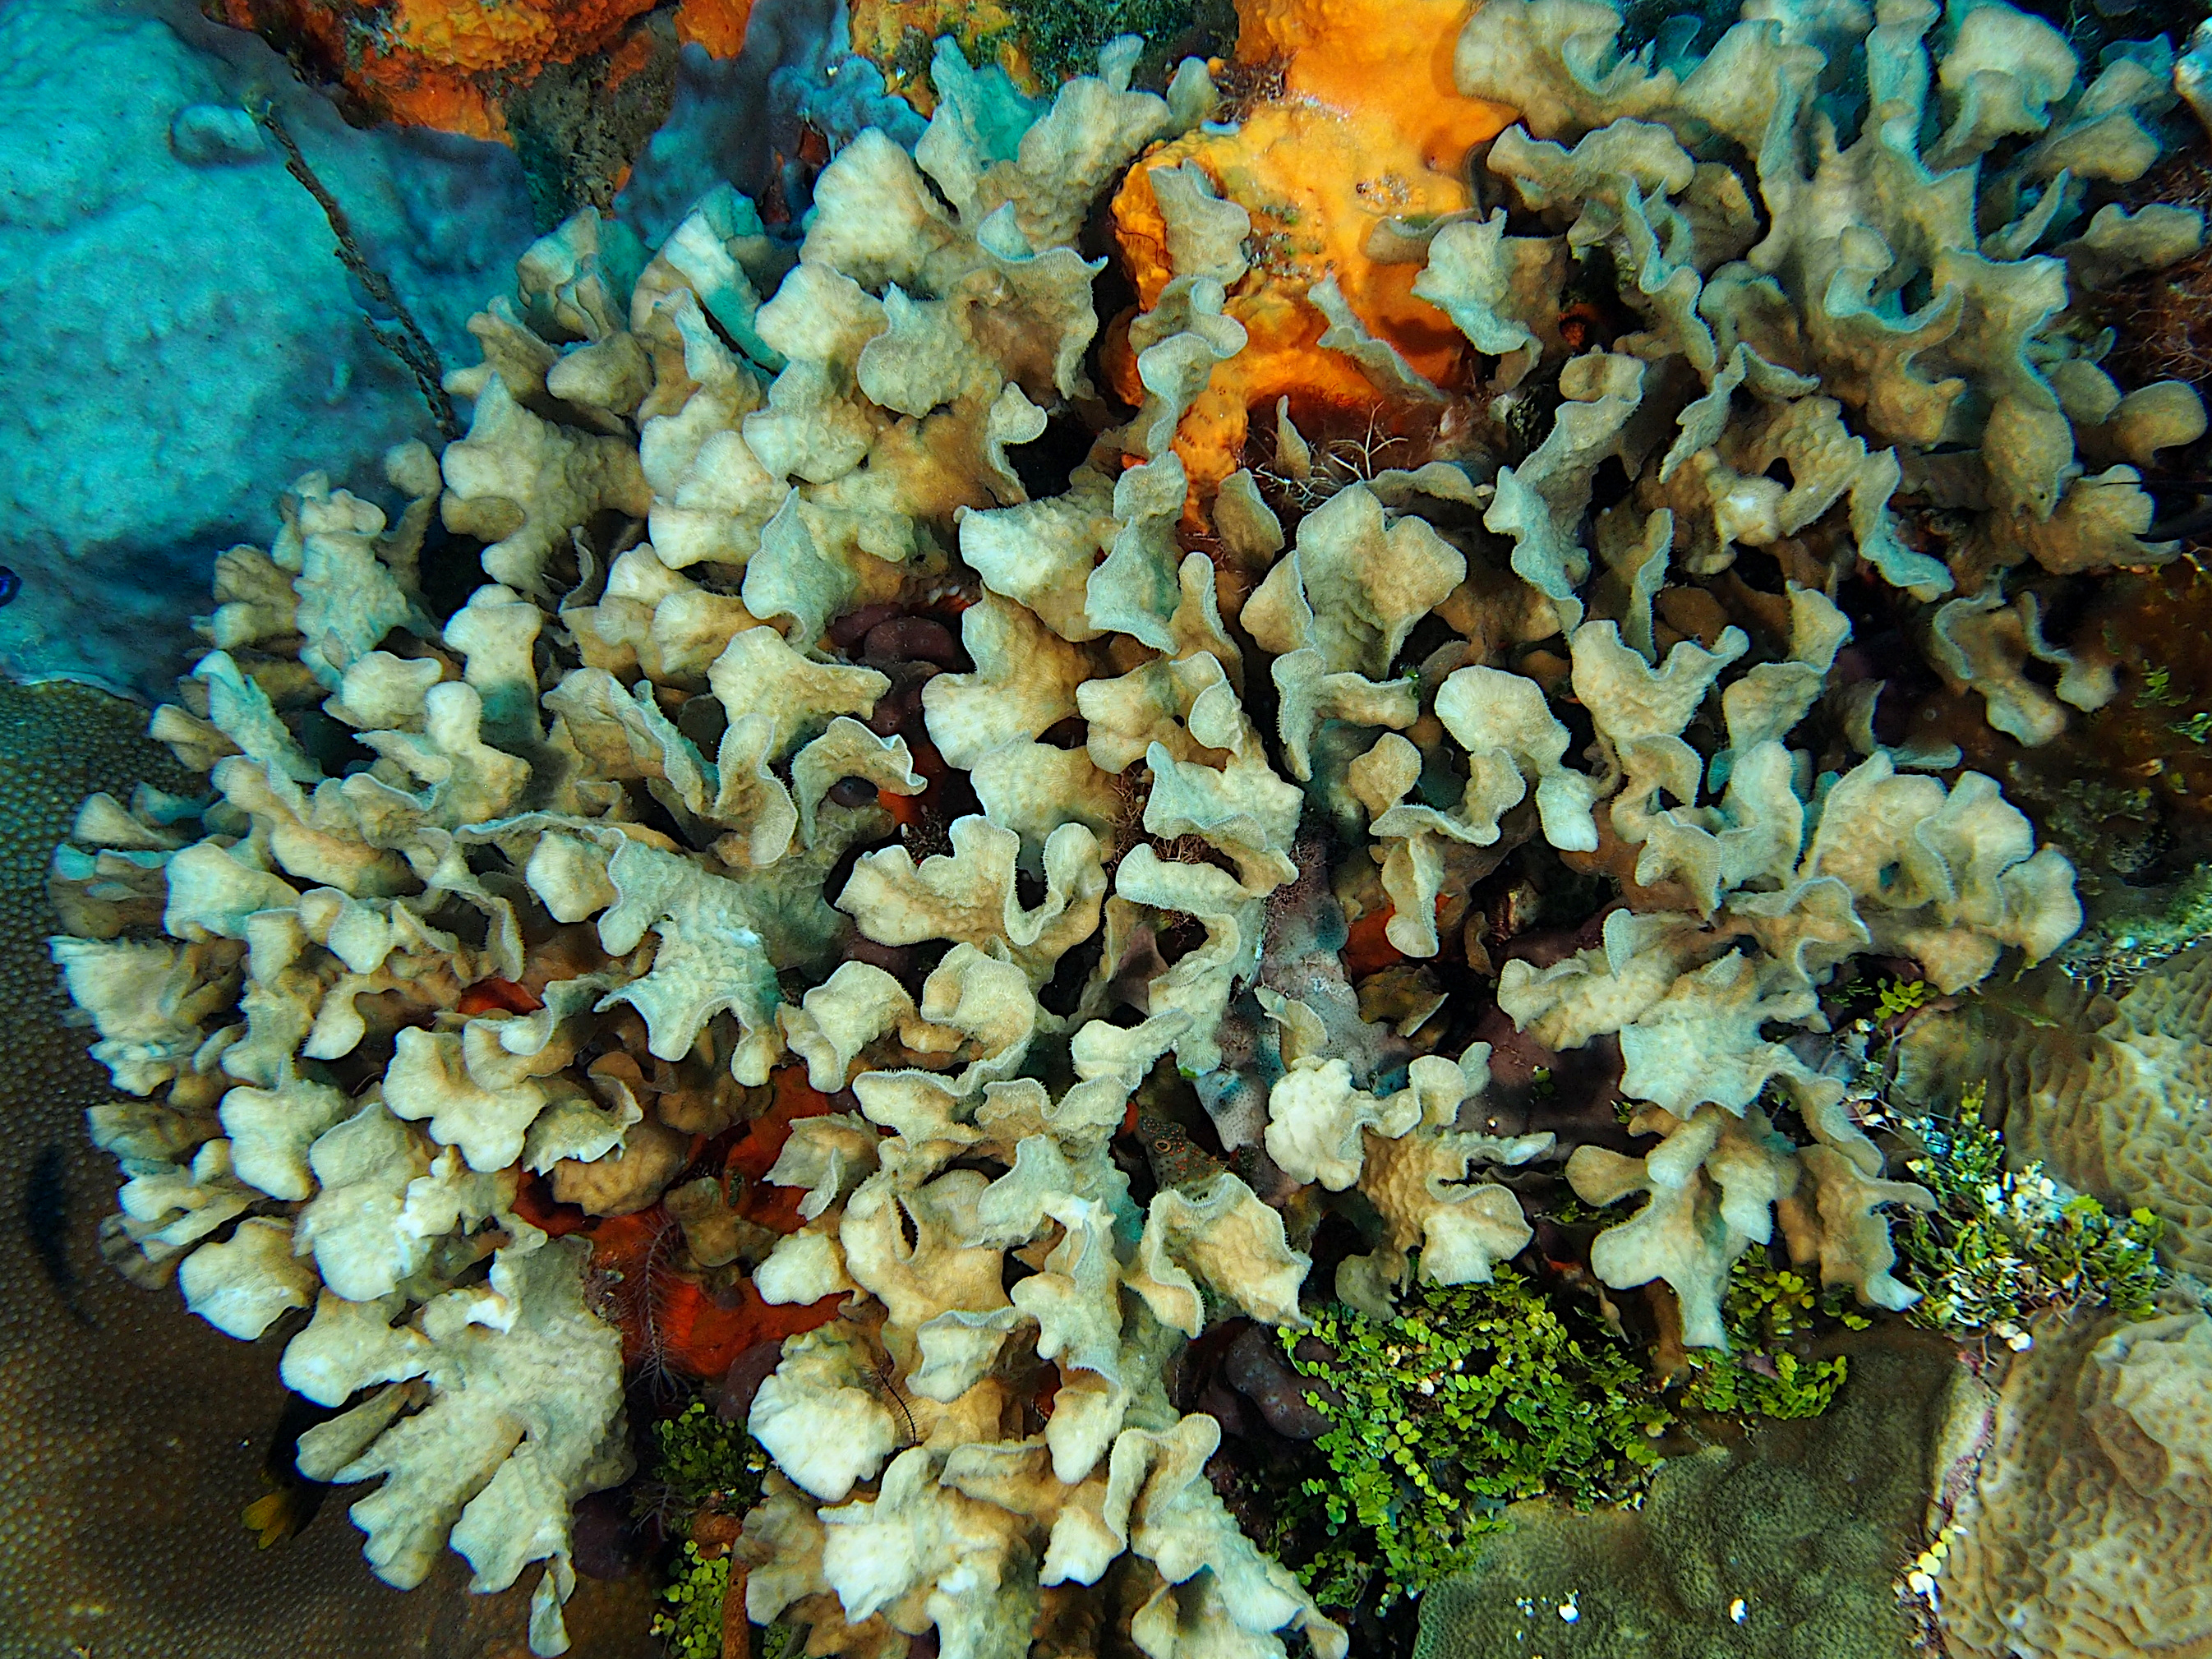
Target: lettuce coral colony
{"x":1118,"y":872}
{"x":127,"y":1424}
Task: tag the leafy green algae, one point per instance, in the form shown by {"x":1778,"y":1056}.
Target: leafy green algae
{"x":701,"y":1462}
{"x":1475,"y":1396}
{"x":693,"y":1625}
{"x":1767,"y":1308}
{"x":1478,"y":1395}
{"x":2003,"y":1245}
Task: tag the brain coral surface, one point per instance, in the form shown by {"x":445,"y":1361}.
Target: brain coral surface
{"x":2089,"y":1529}
{"x":2114,"y":1094}
{"x":854,"y":694}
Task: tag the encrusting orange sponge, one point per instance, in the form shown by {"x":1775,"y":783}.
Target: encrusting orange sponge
{"x":1391,"y":57}
{"x":447,"y":63}
{"x":1366,"y":126}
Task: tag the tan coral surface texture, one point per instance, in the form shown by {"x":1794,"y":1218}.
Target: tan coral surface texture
{"x":2089,"y":1532}
{"x":129,"y":1443}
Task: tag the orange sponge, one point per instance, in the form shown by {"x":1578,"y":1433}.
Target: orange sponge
{"x":447,"y":63}
{"x":1366,"y":127}
{"x":1383,"y":57}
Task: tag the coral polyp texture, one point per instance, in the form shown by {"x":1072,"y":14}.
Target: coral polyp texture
{"x":1143,"y":886}
{"x":2087,"y":1528}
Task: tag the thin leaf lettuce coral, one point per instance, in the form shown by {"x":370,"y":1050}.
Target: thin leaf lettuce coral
{"x":986,"y":1430}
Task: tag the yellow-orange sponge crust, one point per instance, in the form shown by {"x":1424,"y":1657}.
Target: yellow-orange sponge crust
{"x":1367,"y":127}
{"x":447,"y":63}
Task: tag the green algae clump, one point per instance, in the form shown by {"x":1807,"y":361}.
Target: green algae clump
{"x":1767,"y":1309}
{"x":693,"y":1629}
{"x":1473,"y":1396}
{"x":1477,"y":1396}
{"x":2002,"y":1245}
{"x":701,"y":1460}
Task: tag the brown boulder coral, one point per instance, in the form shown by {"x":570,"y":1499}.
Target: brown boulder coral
{"x":1780,"y":1547}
